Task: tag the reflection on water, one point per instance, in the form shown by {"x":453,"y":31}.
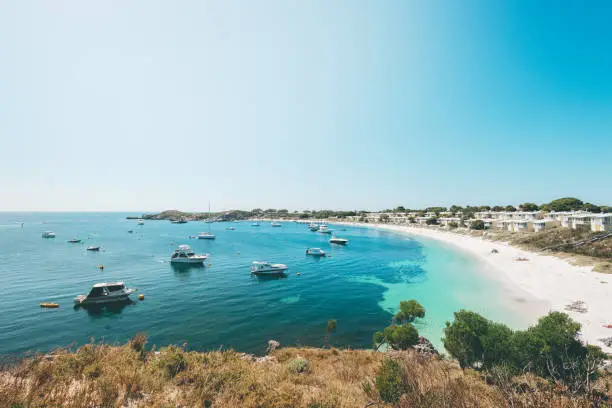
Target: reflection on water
{"x":182,"y":270}
{"x":101,"y":310}
{"x":269,"y":277}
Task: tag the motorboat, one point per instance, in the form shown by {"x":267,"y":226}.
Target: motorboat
{"x":315,"y":252}
{"x":183,"y":254}
{"x":74,"y":240}
{"x":324,"y":230}
{"x":230,"y":228}
{"x":255,"y":224}
{"x":179,"y":221}
{"x":93,"y":248}
{"x":130,"y":231}
{"x":264,"y":268}
{"x":276,"y":224}
{"x":48,"y":234}
{"x":313,"y":227}
{"x":140,"y":221}
{"x":339,"y":241}
{"x":206,"y":235}
{"x":106,"y":292}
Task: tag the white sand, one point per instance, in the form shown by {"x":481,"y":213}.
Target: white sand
{"x":547,"y":278}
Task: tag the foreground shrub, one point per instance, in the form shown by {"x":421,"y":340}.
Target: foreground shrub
{"x":390,"y":381}
{"x":298,"y":365}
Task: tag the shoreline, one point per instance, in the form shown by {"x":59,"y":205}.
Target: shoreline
{"x":545,"y":277}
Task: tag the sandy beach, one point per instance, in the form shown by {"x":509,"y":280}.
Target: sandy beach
{"x":547,"y":278}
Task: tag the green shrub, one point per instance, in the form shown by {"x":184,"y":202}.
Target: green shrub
{"x":172,"y":361}
{"x":390,"y":381}
{"x":298,"y":365}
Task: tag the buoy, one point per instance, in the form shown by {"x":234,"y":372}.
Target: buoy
{"x":101,"y":267}
{"x":209,"y":264}
{"x":49,"y":305}
{"x":141,"y":297}
{"x":298,"y":274}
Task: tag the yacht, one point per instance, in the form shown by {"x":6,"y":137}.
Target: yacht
{"x":339,"y":241}
{"x":93,"y":248}
{"x":140,"y":222}
{"x":48,"y":234}
{"x":184,"y":254}
{"x":276,"y":224}
{"x":315,"y":252}
{"x":324,"y":230}
{"x":206,"y":235}
{"x":267,"y":268}
{"x":313,"y":227}
{"x":106,"y":292}
{"x":179,"y":221}
{"x":74,"y":240}
{"x":230,"y":228}
{"x":255,"y":224}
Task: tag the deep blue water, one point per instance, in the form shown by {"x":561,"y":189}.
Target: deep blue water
{"x":222,"y":304}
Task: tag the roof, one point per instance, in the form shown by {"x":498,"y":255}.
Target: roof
{"x":98,"y":285}
{"x":184,"y":247}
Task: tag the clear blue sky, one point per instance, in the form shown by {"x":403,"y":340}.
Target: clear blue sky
{"x":146,"y":105}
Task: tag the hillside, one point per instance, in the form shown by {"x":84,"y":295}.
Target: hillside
{"x":129,"y":376}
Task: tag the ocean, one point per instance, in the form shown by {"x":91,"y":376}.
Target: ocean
{"x":221,"y":305}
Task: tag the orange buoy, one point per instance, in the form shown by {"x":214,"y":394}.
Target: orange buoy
{"x":141,"y":297}
{"x":49,"y":305}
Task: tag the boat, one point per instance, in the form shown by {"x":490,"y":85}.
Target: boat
{"x":48,"y":234}
{"x":184,"y":255}
{"x":106,"y":292}
{"x":93,"y":248}
{"x":339,"y":241}
{"x":230,"y":228}
{"x":179,"y":221}
{"x":324,"y":230}
{"x":264,"y":268}
{"x":130,"y":231}
{"x":49,"y":305}
{"x":276,"y":224}
{"x":313,"y":227}
{"x":206,"y":235}
{"x":74,"y":240}
{"x":255,"y":224}
{"x":140,"y":221}
{"x":315,"y":252}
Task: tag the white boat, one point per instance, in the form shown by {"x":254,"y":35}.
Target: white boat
{"x":230,"y":228}
{"x":339,"y":241}
{"x":313,"y":227}
{"x":74,"y":240}
{"x":255,"y":224}
{"x":48,"y":234}
{"x":140,"y":222}
{"x":206,"y":235}
{"x":315,"y":252}
{"x":276,"y":224}
{"x":184,"y":254}
{"x":324,"y":230}
{"x":93,"y":248}
{"x":267,"y":268}
{"x":106,"y":292}
{"x":179,"y":221}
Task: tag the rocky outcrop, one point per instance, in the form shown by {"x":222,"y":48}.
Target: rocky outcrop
{"x":424,"y":346}
{"x":272,"y":345}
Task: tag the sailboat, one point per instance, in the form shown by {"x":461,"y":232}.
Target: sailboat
{"x":207,"y":235}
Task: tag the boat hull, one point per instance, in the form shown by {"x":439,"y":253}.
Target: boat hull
{"x":206,"y":237}
{"x":83,"y":300}
{"x":188,"y":261}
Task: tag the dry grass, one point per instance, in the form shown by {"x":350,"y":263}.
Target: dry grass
{"x":98,"y":375}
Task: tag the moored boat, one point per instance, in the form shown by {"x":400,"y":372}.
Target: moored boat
{"x":276,"y":224}
{"x":93,"y":248}
{"x":339,"y":241}
{"x":313,"y":227}
{"x":324,"y":230}
{"x":184,"y":255}
{"x":179,"y":221}
{"x":264,"y":268}
{"x":230,"y":228}
{"x":48,"y":234}
{"x":140,"y":221}
{"x":206,"y":235}
{"x":315,"y":252}
{"x":255,"y":224}
{"x":106,"y":292}
{"x":74,"y":240}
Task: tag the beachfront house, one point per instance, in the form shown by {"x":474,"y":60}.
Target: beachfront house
{"x":539,"y":225}
{"x":601,"y":222}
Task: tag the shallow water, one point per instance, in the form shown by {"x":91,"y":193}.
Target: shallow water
{"x":360,"y":285}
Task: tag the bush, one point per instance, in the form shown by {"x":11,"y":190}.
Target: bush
{"x":390,"y":381}
{"x":432,"y":221}
{"x":477,"y":225}
{"x":172,"y":361}
{"x":453,"y":225}
{"x":462,"y":337}
{"x":298,"y":365}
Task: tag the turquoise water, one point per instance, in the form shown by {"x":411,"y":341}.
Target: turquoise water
{"x":360,"y":285}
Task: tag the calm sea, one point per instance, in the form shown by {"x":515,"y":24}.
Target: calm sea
{"x":360,"y":285}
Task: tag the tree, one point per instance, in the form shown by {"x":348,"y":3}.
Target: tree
{"x":455,"y":208}
{"x":462,"y":337}
{"x":390,"y":381}
{"x":529,"y":207}
{"x":484,"y":208}
{"x":545,"y":208}
{"x":331,"y":328}
{"x":409,"y":311}
{"x":401,"y":337}
{"x":510,"y":208}
{"x":566,"y":204}
{"x":498,"y":208}
{"x":432,"y":221}
{"x":384,"y":218}
{"x":453,"y":225}
{"x":399,"y":209}
{"x":606,"y":209}
{"x":477,"y":225}
{"x":591,"y":208}
{"x":436,"y":210}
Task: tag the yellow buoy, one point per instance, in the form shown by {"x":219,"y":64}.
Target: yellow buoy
{"x":101,"y":267}
{"x":141,"y":297}
{"x":49,"y":305}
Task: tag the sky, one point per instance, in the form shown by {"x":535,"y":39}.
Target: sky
{"x":150,"y":105}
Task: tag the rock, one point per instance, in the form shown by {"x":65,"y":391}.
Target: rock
{"x":265,"y":359}
{"x":424,"y":346}
{"x":607,"y":341}
{"x":272,"y":345}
